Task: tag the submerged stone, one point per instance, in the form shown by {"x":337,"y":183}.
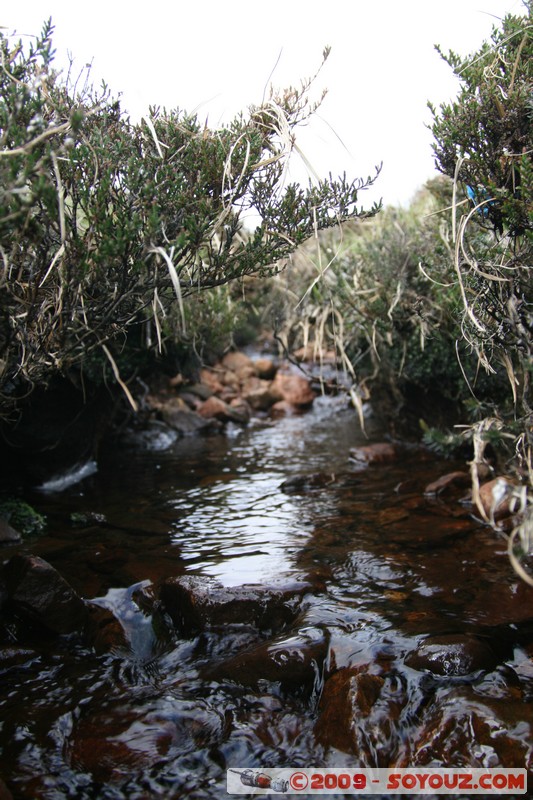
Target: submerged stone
{"x":295,"y":663}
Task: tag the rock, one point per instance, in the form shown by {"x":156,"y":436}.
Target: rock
{"x":297,"y":484}
{"x":39,"y":593}
{"x":236,"y":361}
{"x":503,"y":602}
{"x":449,"y":481}
{"x":215,"y":408}
{"x":265,"y":369}
{"x":194,"y":602}
{"x":13,"y":657}
{"x":348,"y":696}
{"x":259,"y":394}
{"x":452,"y":655}
{"x":116,"y":743}
{"x":245,"y":372}
{"x":379,"y":453}
{"x":211,"y":379}
{"x":462,"y":725}
{"x":104,"y":631}
{"x":294,"y":389}
{"x":497,"y":499}
{"x":282,"y":409}
{"x":8,"y":535}
{"x":296,"y":663}
{"x":186,"y":422}
{"x":231,"y":381}
{"x":241,"y":410}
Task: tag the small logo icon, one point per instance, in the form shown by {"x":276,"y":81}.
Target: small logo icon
{"x":260,"y":780}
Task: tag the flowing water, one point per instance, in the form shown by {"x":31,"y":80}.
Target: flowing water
{"x":384,"y":566}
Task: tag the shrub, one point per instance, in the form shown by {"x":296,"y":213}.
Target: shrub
{"x":106,"y":225}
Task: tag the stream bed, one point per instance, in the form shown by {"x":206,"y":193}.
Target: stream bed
{"x":386,"y":626}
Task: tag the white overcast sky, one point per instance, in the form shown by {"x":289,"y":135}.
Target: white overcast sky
{"x":215,"y":57}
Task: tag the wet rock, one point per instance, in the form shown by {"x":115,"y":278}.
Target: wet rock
{"x":451,"y":480}
{"x":358,"y":712}
{"x":462,"y":726}
{"x":104,"y":631}
{"x":297,"y":484}
{"x":215,"y":408}
{"x":453,"y":655}
{"x":265,"y":369}
{"x":241,"y":410}
{"x":115,"y":744}
{"x":259,"y":394}
{"x":296,"y":663}
{"x":378,"y":453}
{"x":503,"y":602}
{"x":39,"y":593}
{"x":13,"y":657}
{"x":294,"y":389}
{"x":195,"y":602}
{"x":186,"y":422}
{"x":8,"y":535}
{"x":212,"y":380}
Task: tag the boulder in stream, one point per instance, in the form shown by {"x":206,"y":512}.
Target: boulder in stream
{"x":452,"y":655}
{"x":40,"y":594}
{"x":194,"y":602}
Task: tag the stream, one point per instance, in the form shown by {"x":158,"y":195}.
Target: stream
{"x":406,"y":638}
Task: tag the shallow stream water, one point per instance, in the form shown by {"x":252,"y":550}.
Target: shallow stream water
{"x":386,"y":566}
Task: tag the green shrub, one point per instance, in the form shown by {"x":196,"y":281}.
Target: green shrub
{"x":107,"y":226}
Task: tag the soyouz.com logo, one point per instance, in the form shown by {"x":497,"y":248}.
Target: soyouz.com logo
{"x":376,"y":781}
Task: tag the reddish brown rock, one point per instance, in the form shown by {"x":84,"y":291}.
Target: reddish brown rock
{"x":379,"y":453}
{"x":259,"y":394}
{"x":236,"y":361}
{"x":215,"y":408}
{"x":231,"y":381}
{"x":282,"y":409}
{"x":241,"y":410}
{"x":38,"y":592}
{"x":265,"y":368}
{"x":194,"y":602}
{"x":449,"y":481}
{"x":212,"y":380}
{"x":347,"y":696}
{"x":296,"y":664}
{"x":504,"y":602}
{"x":452,"y":654}
{"x":462,"y":725}
{"x":294,"y":389}
{"x":113,"y":744}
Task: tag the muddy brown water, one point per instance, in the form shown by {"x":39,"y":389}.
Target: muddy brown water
{"x":387,"y":569}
